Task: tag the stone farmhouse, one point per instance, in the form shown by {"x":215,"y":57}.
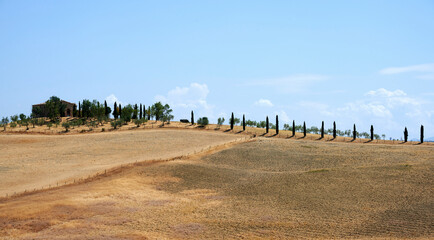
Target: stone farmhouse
{"x":40,"y":111}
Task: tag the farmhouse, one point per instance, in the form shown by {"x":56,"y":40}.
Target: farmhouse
{"x":40,"y":110}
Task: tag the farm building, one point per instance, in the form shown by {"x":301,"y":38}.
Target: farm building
{"x":39,"y":110}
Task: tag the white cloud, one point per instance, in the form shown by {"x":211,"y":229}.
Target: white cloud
{"x":263,"y":103}
{"x":414,"y":68}
{"x":112,"y":99}
{"x":385,"y":93}
{"x":392,"y":99}
{"x":282,"y":116}
{"x":293,"y":83}
{"x":184,"y":99}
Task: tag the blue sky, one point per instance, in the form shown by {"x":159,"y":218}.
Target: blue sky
{"x":363,"y":62}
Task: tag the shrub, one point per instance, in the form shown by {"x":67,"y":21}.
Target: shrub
{"x":13,"y":124}
{"x":138,"y":122}
{"x":49,"y":124}
{"x":203,"y":121}
{"x":66,"y":125}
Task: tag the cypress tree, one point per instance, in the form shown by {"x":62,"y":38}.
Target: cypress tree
{"x":266,"y":125}
{"x":120,"y":110}
{"x":115,"y":111}
{"x":322,"y":129}
{"x":136,"y":109}
{"x":141,"y":113}
{"x":106,"y":113}
{"x":79,"y":109}
{"x":405,"y":134}
{"x":144,"y":111}
{"x":354,"y":132}
{"x":277,"y":124}
{"x":372,"y":133}
{"x":244,"y":122}
{"x":149,"y":113}
{"x":293,"y":128}
{"x":334,"y":130}
{"x":421,"y":134}
{"x":192,"y":118}
{"x":304,"y":129}
{"x":232,"y":121}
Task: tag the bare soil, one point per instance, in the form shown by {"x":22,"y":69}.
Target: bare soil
{"x":268,"y":188}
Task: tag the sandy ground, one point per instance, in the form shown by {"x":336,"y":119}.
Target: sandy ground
{"x":29,"y":162}
{"x":269,"y":188}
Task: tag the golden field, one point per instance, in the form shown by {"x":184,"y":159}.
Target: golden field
{"x":263,"y":187}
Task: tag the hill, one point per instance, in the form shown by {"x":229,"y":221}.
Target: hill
{"x":266,"y":188}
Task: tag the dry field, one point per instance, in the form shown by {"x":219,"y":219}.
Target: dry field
{"x":29,"y":162}
{"x":268,"y":188}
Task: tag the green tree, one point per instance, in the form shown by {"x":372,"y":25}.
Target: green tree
{"x":277,"y":124}
{"x":405,"y":134}
{"x":115,"y":111}
{"x":220,"y":121}
{"x":237,"y":121}
{"x":14,"y":118}
{"x":4,"y":122}
{"x":334,"y":130}
{"x":127,"y":113}
{"x":267,"y":125}
{"x":86,"y":108}
{"x":192,"y":118}
{"x":421,"y":134}
{"x":55,"y":108}
{"x":141,"y":113}
{"x":244,"y":122}
{"x":135,"y":111}
{"x":79,"y":109}
{"x":162,"y":112}
{"x":354,"y":132}
{"x":322,"y":129}
{"x":23,"y":117}
{"x":107,"y":109}
{"x":232,"y":121}
{"x":304,"y":129}
{"x":203,"y":121}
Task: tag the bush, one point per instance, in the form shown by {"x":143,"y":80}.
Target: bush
{"x":13,"y":125}
{"x":66,"y":125}
{"x":203,"y":121}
